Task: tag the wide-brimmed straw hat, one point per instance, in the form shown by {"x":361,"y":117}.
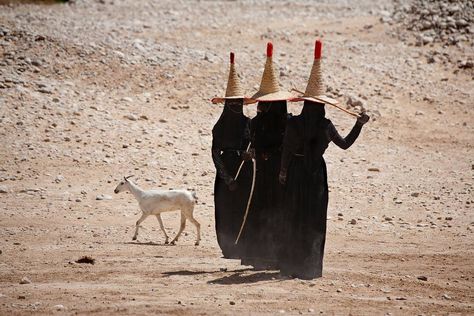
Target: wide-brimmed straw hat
{"x":269,"y":89}
{"x":315,"y":90}
{"x":234,"y":90}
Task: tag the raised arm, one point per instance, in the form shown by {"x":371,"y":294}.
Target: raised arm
{"x":347,"y":141}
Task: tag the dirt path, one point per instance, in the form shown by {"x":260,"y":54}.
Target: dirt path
{"x":96,"y":90}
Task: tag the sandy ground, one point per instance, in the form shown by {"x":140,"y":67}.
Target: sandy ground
{"x":97,"y":90}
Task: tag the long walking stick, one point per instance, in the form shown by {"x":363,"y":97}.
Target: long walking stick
{"x":337,"y":106}
{"x":254,"y":162}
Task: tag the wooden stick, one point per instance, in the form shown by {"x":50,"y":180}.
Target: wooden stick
{"x":336,"y":106}
{"x":254,"y":163}
{"x":241,"y":164}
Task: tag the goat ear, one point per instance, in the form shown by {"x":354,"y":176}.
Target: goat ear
{"x":126,"y":178}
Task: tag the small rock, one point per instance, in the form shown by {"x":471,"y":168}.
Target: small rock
{"x":353,"y":222}
{"x":446,"y":296}
{"x":59,"y":307}
{"x":339,"y":290}
{"x":422,"y":278}
{"x":25,"y":280}
{"x":232,"y":303}
{"x":3,"y":189}
{"x":102,"y":197}
{"x":59,"y":178}
{"x":374,"y":169}
{"x":415,"y":194}
{"x":131,"y":117}
{"x":36,"y":62}
{"x":21,"y":297}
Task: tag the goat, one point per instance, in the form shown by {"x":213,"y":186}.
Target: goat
{"x":155,"y":202}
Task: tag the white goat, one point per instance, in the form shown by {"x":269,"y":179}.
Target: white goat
{"x":155,"y":202}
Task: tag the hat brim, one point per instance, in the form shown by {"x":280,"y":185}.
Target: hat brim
{"x":247,"y":100}
{"x":275,"y":96}
{"x":319,"y":99}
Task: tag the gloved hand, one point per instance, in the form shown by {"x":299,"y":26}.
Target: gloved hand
{"x":282,"y":177}
{"x":248,"y":155}
{"x":231,"y":184}
{"x":363,"y":118}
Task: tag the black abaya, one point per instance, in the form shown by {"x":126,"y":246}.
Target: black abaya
{"x":267,"y":130}
{"x":230,"y":139}
{"x":303,"y":234}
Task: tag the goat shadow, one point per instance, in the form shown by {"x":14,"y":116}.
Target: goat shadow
{"x":238,"y":278}
{"x":147,"y":243}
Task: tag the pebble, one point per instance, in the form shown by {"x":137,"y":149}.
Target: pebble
{"x":232,"y":303}
{"x":374,"y":169}
{"x":415,"y":194}
{"x":25,"y":280}
{"x":446,"y":296}
{"x":353,"y":221}
{"x":131,"y":117}
{"x":3,"y":189}
{"x":59,"y":178}
{"x":422,"y":278}
{"x":59,"y":307}
{"x":102,"y":197}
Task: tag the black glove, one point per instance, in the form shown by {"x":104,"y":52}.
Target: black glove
{"x":248,"y":155}
{"x":363,"y":118}
{"x":282,"y":177}
{"x":231,"y":184}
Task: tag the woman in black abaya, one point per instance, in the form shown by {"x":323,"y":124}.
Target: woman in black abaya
{"x":303,"y":172}
{"x":267,"y":130}
{"x":230,"y":137}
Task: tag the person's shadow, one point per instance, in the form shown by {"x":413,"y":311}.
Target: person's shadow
{"x":188,"y":272}
{"x":238,"y":278}
{"x":235,"y":276}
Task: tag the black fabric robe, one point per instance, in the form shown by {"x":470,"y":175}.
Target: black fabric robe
{"x":230,"y":137}
{"x":303,"y":233}
{"x":260,"y":231}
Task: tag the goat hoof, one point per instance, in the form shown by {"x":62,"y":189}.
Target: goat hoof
{"x":167,"y":242}
{"x":134,"y":238}
{"x":173,"y":243}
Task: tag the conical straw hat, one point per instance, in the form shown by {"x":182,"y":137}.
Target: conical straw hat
{"x":234,"y":90}
{"x":315,"y":89}
{"x":269,"y":89}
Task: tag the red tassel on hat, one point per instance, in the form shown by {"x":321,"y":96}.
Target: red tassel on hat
{"x":317,"y":49}
{"x":232,"y":57}
{"x":269,"y":49}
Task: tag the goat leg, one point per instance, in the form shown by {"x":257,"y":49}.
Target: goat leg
{"x":138,"y":225}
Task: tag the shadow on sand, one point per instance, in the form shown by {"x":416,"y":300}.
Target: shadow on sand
{"x":238,"y":278}
{"x":187,"y":272}
{"x":149,"y":243}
